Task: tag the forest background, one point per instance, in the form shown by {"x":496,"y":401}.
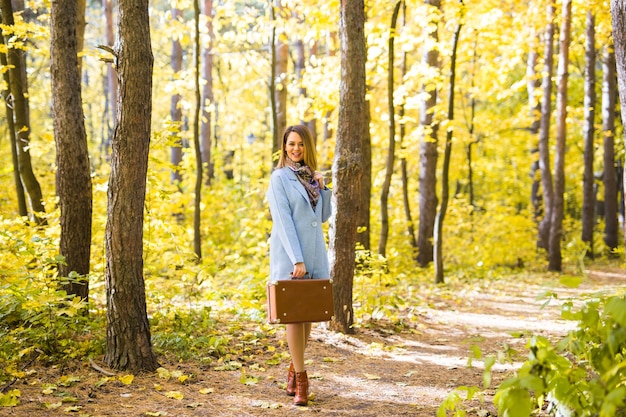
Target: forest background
{"x":272,"y":66}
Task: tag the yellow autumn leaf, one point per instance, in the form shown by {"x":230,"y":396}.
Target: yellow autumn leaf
{"x":163,"y":373}
{"x":48,"y":389}
{"x":183,"y":378}
{"x":10,"y":399}
{"x":73,"y":409}
{"x":175,"y":395}
{"x":52,"y":406}
{"x":155,"y":414}
{"x":127,"y":379}
{"x":206,"y":390}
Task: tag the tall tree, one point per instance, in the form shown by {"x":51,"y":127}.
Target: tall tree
{"x":197,"y":238}
{"x":207,"y":93}
{"x":176,"y":112}
{"x":618,"y":18}
{"x":543,"y":235}
{"x":347,"y":164}
{"x":73,"y":176}
{"x":391,"y":147}
{"x":128,"y":343}
{"x":22,"y":208}
{"x":558,"y":202}
{"x":80,"y":30}
{"x":533,"y":83}
{"x":589,"y":199}
{"x":428,"y":147}
{"x":19,"y":104}
{"x":609,"y":177}
{"x":110,"y":83}
{"x":280,"y":55}
{"x":364,"y":222}
{"x":445,"y":172}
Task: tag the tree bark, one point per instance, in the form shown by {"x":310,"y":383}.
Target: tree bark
{"x":533,"y":84}
{"x":347,"y":165}
{"x":609,"y":177}
{"x":618,"y":18}
{"x":80,"y":31}
{"x":543,"y":235}
{"x":391,"y":147}
{"x":364,"y":224}
{"x":280,"y":82}
{"x":128,"y":332}
{"x":445,"y":172}
{"x":197,"y":236}
{"x":17,"y":86}
{"x":73,"y":176}
{"x":558,"y":203}
{"x":176,"y":113}
{"x":207,"y":95}
{"x":589,"y":199}
{"x":428,"y":148}
{"x":22,"y":208}
{"x":111,"y":86}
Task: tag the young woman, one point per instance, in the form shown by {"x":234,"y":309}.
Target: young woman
{"x":299,"y":203}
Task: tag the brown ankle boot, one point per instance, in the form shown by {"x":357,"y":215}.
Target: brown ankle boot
{"x":302,"y":389}
{"x":291,"y":381}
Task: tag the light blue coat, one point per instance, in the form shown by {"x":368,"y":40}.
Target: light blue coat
{"x":297,"y":234}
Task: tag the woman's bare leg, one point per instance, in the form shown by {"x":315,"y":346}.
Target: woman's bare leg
{"x":297,"y":337}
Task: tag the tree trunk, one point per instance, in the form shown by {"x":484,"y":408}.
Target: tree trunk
{"x":176,"y":113}
{"x":558,"y":204}
{"x":22,"y":209}
{"x":363,"y":229}
{"x":428,"y":148}
{"x":280,"y":83}
{"x":207,"y":95}
{"x":445,"y":172}
{"x":110,"y":87}
{"x":543,"y":235}
{"x":128,"y":331}
{"x":347,"y":165}
{"x":609,"y":178}
{"x":589,"y":199}
{"x":618,"y":15}
{"x":391,"y":147}
{"x":80,"y":31}
{"x":73,"y":176}
{"x":197,"y":238}
{"x":17,"y":86}
{"x":276,"y":135}
{"x":532,"y":86}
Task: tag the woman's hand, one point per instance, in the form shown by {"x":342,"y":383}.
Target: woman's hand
{"x":298,"y":270}
{"x":320,"y":179}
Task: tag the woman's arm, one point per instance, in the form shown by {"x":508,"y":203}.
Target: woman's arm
{"x":284,"y":225}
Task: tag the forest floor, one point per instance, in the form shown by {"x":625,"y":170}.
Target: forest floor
{"x":385,"y":369}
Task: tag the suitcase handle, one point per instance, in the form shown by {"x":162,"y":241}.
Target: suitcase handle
{"x":306,"y":276}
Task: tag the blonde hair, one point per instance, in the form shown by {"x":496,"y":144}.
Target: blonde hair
{"x":310,"y":158}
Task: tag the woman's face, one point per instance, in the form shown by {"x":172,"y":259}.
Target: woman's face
{"x":294,"y":146}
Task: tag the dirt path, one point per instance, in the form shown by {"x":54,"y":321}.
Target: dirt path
{"x":380,"y":371}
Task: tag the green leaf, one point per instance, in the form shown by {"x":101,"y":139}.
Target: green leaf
{"x":571,"y":281}
{"x":616,"y":308}
{"x":514,"y":403}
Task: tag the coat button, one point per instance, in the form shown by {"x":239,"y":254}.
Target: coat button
{"x":314,"y":224}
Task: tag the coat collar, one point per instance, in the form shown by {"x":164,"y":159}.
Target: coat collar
{"x":293,"y":179}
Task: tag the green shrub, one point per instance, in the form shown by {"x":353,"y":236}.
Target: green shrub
{"x":583,"y":375}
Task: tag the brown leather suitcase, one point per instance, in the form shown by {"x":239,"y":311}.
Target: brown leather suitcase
{"x":300,"y":301}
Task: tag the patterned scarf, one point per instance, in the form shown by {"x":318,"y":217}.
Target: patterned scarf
{"x":305,"y":176}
